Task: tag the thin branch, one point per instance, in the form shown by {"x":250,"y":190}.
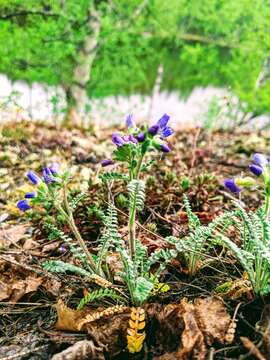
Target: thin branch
{"x":28,"y":12}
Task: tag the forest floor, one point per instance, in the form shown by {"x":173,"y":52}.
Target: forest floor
{"x":197,"y":166}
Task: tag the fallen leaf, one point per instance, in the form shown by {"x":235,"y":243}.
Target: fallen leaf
{"x":190,"y":328}
{"x":81,"y":350}
{"x":12,"y":235}
{"x":16,"y":289}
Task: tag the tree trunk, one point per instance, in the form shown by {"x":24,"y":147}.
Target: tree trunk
{"x":156,"y":90}
{"x":76,"y":94}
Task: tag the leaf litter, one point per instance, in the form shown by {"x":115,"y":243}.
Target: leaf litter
{"x":186,"y":327}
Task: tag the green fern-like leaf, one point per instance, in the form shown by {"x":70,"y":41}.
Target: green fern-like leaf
{"x":110,"y":236}
{"x":59,"y":266}
{"x":142,"y":290}
{"x":109,"y":176}
{"x":136,"y":189}
{"x":98,"y":295}
{"x":193,"y":220}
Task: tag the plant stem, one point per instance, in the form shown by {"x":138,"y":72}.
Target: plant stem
{"x":267,"y":206}
{"x":132,"y":231}
{"x":132,"y":215}
{"x":70,"y":219}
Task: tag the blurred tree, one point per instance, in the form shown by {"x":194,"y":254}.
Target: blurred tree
{"x":110,"y":47}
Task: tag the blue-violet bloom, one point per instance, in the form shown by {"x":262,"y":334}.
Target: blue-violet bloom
{"x":166,"y":132}
{"x":23,"y":205}
{"x":256,"y":169}
{"x":231,"y":185}
{"x":154,"y":129}
{"x":260,"y":159}
{"x":54,"y":168}
{"x":30,"y":195}
{"x":130,"y":122}
{"x":106,"y":162}
{"x":117,"y":139}
{"x":141,"y":137}
{"x":163,"y":121}
{"x":165,"y":148}
{"x":48,"y":176}
{"x":33,"y":177}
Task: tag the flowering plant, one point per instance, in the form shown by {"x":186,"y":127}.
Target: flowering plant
{"x":260,"y":167}
{"x":132,"y":147}
{"x":52,"y":192}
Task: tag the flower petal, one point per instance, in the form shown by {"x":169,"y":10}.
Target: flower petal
{"x":33,"y":177}
{"x":23,"y":205}
{"x":163,"y":121}
{"x":230,"y":185}
{"x":260,"y":159}
{"x":256,"y":169}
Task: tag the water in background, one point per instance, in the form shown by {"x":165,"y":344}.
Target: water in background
{"x":18,"y":100}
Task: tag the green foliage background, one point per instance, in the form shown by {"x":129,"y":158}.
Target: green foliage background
{"x":199,"y":42}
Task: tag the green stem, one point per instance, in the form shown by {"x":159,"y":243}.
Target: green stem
{"x":267,"y":206}
{"x":70,"y":219}
{"x":132,"y":215}
{"x":132,"y":230}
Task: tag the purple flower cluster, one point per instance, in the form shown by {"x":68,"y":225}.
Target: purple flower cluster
{"x":48,"y":177}
{"x":160,"y":128}
{"x":258,"y":167}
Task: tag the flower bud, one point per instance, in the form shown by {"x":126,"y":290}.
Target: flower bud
{"x":30,"y":195}
{"x":245,"y":181}
{"x":231,"y":185}
{"x":117,"y":139}
{"x":141,"y":137}
{"x":260,"y":159}
{"x":256,"y":169}
{"x":23,"y":205}
{"x":165,"y":148}
{"x":33,"y":177}
{"x":106,"y":162}
{"x":153,"y":130}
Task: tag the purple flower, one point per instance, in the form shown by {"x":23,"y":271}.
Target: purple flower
{"x":48,"y":176}
{"x":154,"y":129}
{"x":141,"y":137}
{"x":161,"y":127}
{"x":30,"y":195}
{"x":62,"y":249}
{"x":256,"y":169}
{"x":231,"y":185}
{"x":132,"y":139}
{"x":33,"y":177}
{"x":106,"y":162}
{"x":23,"y":205}
{"x":165,"y":148}
{"x":117,"y":139}
{"x":54,"y":168}
{"x":260,"y":159}
{"x":166,"y":132}
{"x":163,"y":121}
{"x":130,"y":122}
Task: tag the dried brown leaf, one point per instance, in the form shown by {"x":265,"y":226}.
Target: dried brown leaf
{"x":107,"y":327}
{"x":67,"y":319}
{"x":16,"y":289}
{"x":191,"y":327}
{"x":12,"y":235}
{"x":81,"y":350}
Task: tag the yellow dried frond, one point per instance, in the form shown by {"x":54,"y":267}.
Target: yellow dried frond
{"x":135,"y":338}
{"x":113,"y":310}
{"x":101,"y":281}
